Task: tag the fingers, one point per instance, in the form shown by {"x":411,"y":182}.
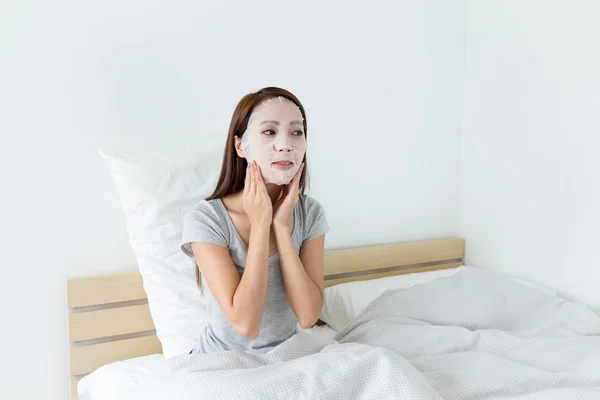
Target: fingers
{"x":258,"y":174}
{"x":247,"y":180}
{"x":260,"y":184}
{"x":252,"y":185}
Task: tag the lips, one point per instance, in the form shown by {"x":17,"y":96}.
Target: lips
{"x":283,"y":165}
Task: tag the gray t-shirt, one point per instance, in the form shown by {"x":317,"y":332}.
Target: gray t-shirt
{"x":209,"y":222}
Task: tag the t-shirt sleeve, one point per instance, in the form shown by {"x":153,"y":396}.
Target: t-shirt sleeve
{"x":316,"y":222}
{"x":203,"y":224}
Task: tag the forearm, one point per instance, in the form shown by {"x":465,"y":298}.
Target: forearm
{"x":251,"y":294}
{"x":304,"y":294}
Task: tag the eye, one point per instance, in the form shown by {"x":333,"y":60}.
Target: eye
{"x":298,"y":133}
{"x":268,"y":132}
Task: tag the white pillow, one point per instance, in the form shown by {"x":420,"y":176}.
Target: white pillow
{"x":156,"y":190}
{"x":344,"y":302}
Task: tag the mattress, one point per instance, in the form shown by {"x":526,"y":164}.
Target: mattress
{"x":110,"y":381}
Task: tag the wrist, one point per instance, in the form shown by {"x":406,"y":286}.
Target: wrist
{"x":260,"y":229}
{"x":282,"y":229}
{"x":261,"y":222}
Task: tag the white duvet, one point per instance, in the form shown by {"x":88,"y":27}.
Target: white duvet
{"x":111,"y":381}
{"x":474,"y":335}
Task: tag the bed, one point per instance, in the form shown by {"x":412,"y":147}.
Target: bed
{"x":467,"y":334}
{"x":109,"y":320}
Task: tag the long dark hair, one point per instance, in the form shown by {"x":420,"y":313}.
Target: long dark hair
{"x":233,"y":170}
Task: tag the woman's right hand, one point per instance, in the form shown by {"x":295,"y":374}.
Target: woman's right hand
{"x":257,"y":202}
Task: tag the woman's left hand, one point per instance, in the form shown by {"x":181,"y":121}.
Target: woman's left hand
{"x":283,"y":210}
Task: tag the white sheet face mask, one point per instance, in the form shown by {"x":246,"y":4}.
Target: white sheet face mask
{"x":275,"y":139}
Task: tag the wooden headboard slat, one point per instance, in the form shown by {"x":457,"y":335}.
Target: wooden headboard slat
{"x":436,"y":267}
{"x":86,"y":359}
{"x":73,"y":389}
{"x":105,"y":289}
{"x":110,"y":322}
{"x":395,"y":255}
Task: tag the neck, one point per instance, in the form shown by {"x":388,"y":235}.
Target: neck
{"x":274,"y":191}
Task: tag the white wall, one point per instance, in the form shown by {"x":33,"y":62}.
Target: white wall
{"x":381,"y":83}
{"x":530,"y":191}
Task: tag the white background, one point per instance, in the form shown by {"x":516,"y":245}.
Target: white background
{"x":381,"y":82}
{"x":530,"y":184}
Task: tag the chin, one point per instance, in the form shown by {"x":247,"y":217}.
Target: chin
{"x":279,"y":180}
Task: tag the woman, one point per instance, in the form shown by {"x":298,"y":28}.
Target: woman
{"x":258,"y":241}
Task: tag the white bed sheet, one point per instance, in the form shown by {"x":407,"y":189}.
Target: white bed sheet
{"x":110,"y":381}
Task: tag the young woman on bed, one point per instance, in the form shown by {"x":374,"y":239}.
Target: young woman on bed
{"x":258,"y":240}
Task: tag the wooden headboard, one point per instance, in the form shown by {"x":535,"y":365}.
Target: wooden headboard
{"x":109,"y":319}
